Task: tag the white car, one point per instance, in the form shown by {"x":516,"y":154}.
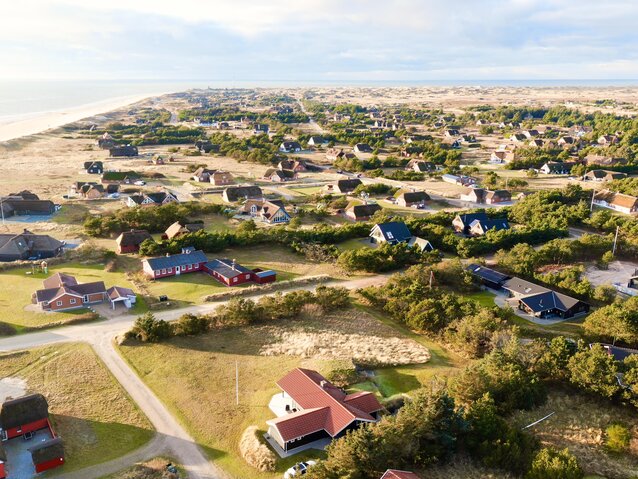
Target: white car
{"x":139,"y":183}
{"x":299,"y":469}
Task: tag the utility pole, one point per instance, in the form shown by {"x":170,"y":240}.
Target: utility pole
{"x":237,"y":382}
{"x":613,"y":250}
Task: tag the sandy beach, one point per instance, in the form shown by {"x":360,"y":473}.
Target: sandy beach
{"x":12,"y":128}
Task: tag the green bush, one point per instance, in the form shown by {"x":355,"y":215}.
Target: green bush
{"x":552,"y":464}
{"x":617,"y":438}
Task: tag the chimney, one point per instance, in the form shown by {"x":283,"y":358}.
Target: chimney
{"x":233,"y":265}
{"x":323,"y":384}
{"x":168,"y":254}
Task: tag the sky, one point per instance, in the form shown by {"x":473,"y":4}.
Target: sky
{"x":319,"y":40}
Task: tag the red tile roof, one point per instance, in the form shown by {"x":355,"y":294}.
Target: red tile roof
{"x":301,"y":423}
{"x":313,"y":393}
{"x":394,"y":474}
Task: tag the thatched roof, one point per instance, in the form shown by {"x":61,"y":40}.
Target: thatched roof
{"x":47,"y":451}
{"x":23,"y":410}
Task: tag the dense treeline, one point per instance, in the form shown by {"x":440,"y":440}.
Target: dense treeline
{"x":233,"y":114}
{"x":256,"y":149}
{"x":524,"y":260}
{"x":155,"y":133}
{"x":154,"y":220}
{"x":436,"y":311}
{"x":435,"y":424}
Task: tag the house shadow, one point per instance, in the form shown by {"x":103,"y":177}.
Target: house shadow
{"x":89,"y":443}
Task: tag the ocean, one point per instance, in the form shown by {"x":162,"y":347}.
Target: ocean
{"x":24,"y":99}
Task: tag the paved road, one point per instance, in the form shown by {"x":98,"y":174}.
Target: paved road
{"x":172,"y":438}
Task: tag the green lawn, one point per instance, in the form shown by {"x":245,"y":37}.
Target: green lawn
{"x":571,"y":327}
{"x":354,"y":243}
{"x":484,"y":298}
{"x":403,"y":379}
{"x":71,"y":214}
{"x":90,"y":410}
{"x":306,"y":191}
{"x":192,"y":288}
{"x":16,"y":288}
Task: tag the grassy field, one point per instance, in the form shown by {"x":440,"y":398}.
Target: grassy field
{"x":16,"y":288}
{"x":94,"y":416}
{"x":195,"y":376}
{"x":153,"y":469}
{"x":579,"y":423}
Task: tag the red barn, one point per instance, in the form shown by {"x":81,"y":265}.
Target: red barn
{"x":230,"y":273}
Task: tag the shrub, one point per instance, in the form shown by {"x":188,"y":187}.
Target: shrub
{"x":6,"y":329}
{"x":147,"y":328}
{"x":617,"y":438}
{"x":191,"y":324}
{"x":552,"y":464}
{"x":255,"y":452}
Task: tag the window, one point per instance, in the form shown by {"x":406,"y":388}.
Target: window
{"x":247,"y":276}
{"x":390,"y":235}
{"x":189,"y":267}
{"x":163,"y":271}
{"x":170,"y":270}
{"x":86,"y":298}
{"x":183,"y":267}
{"x":235,"y":279}
{"x":72,"y":301}
{"x":58,"y":303}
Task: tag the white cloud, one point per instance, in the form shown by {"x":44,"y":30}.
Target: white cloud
{"x":311,"y":38}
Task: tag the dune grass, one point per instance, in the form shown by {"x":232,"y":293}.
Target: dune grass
{"x":579,"y":423}
{"x":94,"y":415}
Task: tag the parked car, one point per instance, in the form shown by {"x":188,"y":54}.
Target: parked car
{"x":299,"y":469}
{"x":139,"y":183}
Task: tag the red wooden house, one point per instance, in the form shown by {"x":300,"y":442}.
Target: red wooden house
{"x":188,"y":261}
{"x":27,"y":416}
{"x":231,"y":273}
{"x":130,"y":241}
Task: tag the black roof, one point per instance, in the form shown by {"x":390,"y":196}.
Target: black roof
{"x":47,"y":451}
{"x":348,"y":185}
{"x":234,"y":193}
{"x":23,"y":410}
{"x":394,"y":231}
{"x":549,"y":300}
{"x":487,"y":274}
{"x":468,"y":218}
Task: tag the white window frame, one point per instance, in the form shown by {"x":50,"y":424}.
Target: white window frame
{"x":72,"y":301}
{"x":85,"y":299}
{"x":58,"y":303}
